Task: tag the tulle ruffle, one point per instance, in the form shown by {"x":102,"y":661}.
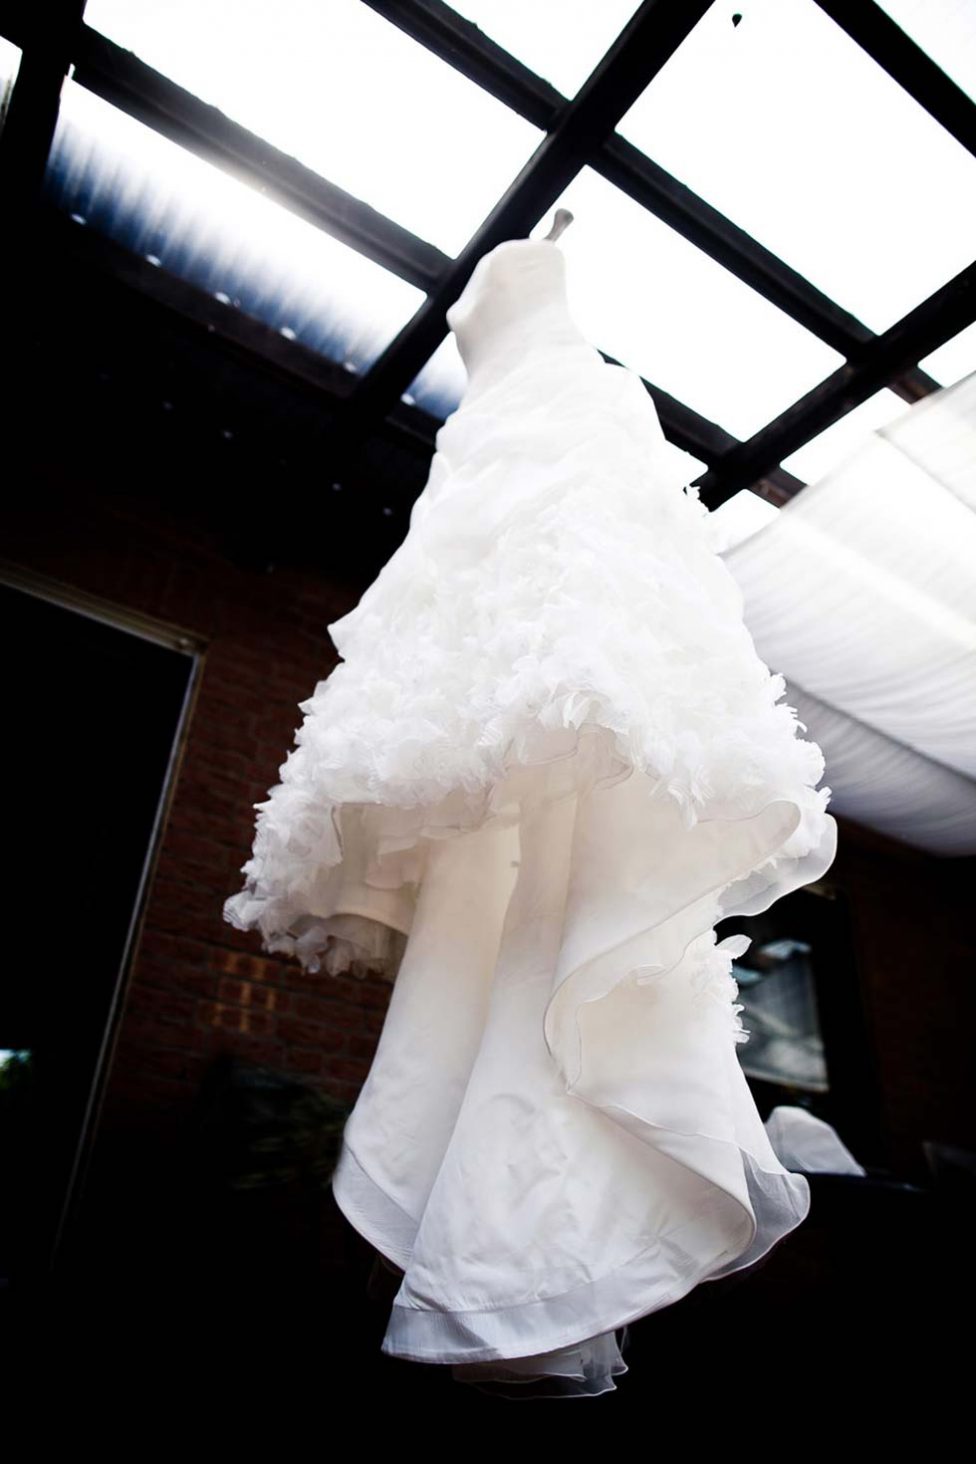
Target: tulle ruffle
{"x":538,"y":591}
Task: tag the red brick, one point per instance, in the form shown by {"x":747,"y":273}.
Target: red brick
{"x":183,"y":1065}
{"x":320,"y":1008}
{"x":162,"y":1004}
{"x":235,"y":1019}
{"x":252,"y":995}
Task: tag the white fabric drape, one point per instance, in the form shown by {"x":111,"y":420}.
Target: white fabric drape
{"x":861,"y":592}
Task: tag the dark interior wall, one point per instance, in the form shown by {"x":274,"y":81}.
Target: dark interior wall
{"x":199,"y":992}
{"x":198,"y":987}
{"x":915,"y":955}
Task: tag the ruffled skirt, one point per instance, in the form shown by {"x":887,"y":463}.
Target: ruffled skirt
{"x":549,"y":764}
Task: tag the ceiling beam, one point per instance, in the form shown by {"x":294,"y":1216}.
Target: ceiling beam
{"x":907,"y":64}
{"x":48,"y":44}
{"x":121,"y":78}
{"x":463,"y":45}
{"x":467,"y":49}
{"x":948,"y":311}
{"x":124,"y":80}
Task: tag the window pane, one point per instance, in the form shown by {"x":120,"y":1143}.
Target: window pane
{"x":9,"y":66}
{"x":956,"y":359}
{"x":836,"y":442}
{"x":344,"y":91}
{"x":946,"y":32}
{"x":439,"y":386}
{"x":560,"y":40}
{"x":741,"y":516}
{"x":779,"y":1011}
{"x":115,"y":175}
{"x":647,"y":297}
{"x":792,"y":131}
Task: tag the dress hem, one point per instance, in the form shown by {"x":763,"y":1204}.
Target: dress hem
{"x":614,"y":1300}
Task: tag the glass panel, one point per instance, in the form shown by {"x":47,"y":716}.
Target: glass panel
{"x":9,"y":59}
{"x":792,"y":131}
{"x":439,"y":387}
{"x":741,"y":516}
{"x":9,"y":67}
{"x":956,"y":359}
{"x":779,"y":1011}
{"x":946,"y":32}
{"x":112,"y":173}
{"x":841,"y":438}
{"x":654,"y":302}
{"x":560,"y":40}
{"x":341,"y":89}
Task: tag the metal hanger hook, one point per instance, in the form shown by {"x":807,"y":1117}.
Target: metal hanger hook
{"x":561,"y":222}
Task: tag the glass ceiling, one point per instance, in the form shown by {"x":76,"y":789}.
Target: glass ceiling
{"x":786,"y":126}
{"x":9,"y":65}
{"x":946,"y":32}
{"x":955,"y":359}
{"x":816,"y":457}
{"x":349,"y":95}
{"x":769,"y":111}
{"x":586,"y":31}
{"x":114,"y":174}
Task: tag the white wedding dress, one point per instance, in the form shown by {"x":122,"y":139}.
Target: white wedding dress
{"x":548,"y":764}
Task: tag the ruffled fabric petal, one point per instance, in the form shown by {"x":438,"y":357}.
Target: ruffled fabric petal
{"x":524,"y":601}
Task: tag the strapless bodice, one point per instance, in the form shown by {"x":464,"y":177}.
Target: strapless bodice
{"x":514,"y":303}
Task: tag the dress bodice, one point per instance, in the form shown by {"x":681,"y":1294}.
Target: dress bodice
{"x":514,"y":303}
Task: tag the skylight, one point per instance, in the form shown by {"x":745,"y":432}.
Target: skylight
{"x":828,"y":448}
{"x":953,"y":360}
{"x":344,"y":91}
{"x":9,"y":66}
{"x":945,"y":31}
{"x":791,"y":130}
{"x":768,"y":112}
{"x":585,"y":31}
{"x":113,"y":174}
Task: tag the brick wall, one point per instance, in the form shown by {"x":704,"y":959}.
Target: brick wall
{"x":199,"y":988}
{"x":915,"y":955}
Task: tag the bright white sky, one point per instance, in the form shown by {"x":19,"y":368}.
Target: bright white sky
{"x":780,"y":122}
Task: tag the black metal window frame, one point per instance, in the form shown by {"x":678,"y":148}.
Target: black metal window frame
{"x":577,"y":133}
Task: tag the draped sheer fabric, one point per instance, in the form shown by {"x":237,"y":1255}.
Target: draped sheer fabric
{"x":552,"y":761}
{"x":861,"y":592}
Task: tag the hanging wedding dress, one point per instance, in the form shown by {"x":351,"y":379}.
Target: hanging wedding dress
{"x":549,"y":763}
